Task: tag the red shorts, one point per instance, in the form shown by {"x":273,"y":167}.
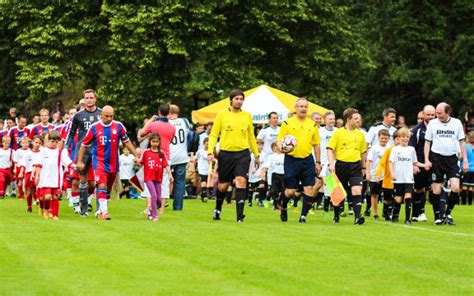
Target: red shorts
{"x":90,"y":174}
{"x":103,"y":177}
{"x":28,"y":182}
{"x":49,"y":191}
{"x":5,"y":179}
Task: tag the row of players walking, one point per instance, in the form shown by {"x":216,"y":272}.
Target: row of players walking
{"x":401,"y":166}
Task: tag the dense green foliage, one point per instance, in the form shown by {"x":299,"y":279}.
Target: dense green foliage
{"x":187,"y":253}
{"x":367,"y":54}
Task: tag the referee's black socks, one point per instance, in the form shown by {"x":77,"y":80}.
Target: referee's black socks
{"x":220,"y":196}
{"x":307,"y":204}
{"x":357,"y":205}
{"x":240,"y":201}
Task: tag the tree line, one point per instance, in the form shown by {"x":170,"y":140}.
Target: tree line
{"x":364,"y":54}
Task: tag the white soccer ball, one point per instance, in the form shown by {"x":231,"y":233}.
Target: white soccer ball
{"x":288,"y":143}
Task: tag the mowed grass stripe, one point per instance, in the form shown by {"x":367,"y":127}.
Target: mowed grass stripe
{"x":188,"y":253}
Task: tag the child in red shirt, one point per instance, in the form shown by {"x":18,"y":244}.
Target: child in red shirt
{"x":154,"y":161}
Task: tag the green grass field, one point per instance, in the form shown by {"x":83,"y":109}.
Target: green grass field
{"x":188,"y":253}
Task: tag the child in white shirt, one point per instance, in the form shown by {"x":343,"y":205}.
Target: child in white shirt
{"x":50,"y":166}
{"x":402,"y":164}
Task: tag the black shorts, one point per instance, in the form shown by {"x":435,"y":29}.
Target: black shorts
{"x":233,"y":164}
{"x":125,"y":183}
{"x":422,"y":180}
{"x":87,"y":160}
{"x":299,"y":170}
{"x":278,"y":183}
{"x":254,"y":185}
{"x":375,"y":187}
{"x":443,"y":166}
{"x":203,"y":178}
{"x":349,"y":173}
{"x":387,"y":194}
{"x":468,"y":179}
{"x":401,"y":189}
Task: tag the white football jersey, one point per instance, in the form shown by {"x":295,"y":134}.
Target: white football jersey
{"x":6,"y":158}
{"x":29,"y":159}
{"x":373,"y":134}
{"x":126,"y":166}
{"x":403,"y":159}
{"x":179,"y":143}
{"x":324,"y":136}
{"x":375,"y":154}
{"x":52,"y":163}
{"x":268,"y":135}
{"x":445,"y":136}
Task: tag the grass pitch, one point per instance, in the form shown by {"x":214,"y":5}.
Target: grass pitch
{"x":188,"y":253}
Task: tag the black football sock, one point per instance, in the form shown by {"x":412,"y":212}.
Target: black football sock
{"x":228,"y":196}
{"x":336,"y":211}
{"x":295,"y":201}
{"x":261,"y":194}
{"x":240,"y":201}
{"x":319,"y":198}
{"x":326,"y":203}
{"x":396,"y":209}
{"x":416,"y":203}
{"x":463,"y":197}
{"x":83,"y":195}
{"x":408,"y":203}
{"x":469,"y":197}
{"x":284,"y":201}
{"x":250,"y":197}
{"x":434,"y":200}
{"x":350,"y":202}
{"x":368,"y":202}
{"x":307,"y":203}
{"x":453,"y":200}
{"x":357,"y":205}
{"x":422,"y":203}
{"x":220,"y":196}
{"x":442,"y":206}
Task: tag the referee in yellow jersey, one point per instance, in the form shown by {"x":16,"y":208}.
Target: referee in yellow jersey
{"x":299,"y":164}
{"x":234,"y":127}
{"x":346,"y":154}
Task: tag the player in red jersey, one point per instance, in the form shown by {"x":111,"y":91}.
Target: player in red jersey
{"x":105,"y":137}
{"x":17,"y":132}
{"x":43,"y":126}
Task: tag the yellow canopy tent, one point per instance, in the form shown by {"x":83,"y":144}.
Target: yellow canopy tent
{"x":259,"y":101}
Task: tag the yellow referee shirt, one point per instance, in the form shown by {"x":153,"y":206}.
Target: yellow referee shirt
{"x":235,"y":130}
{"x":348,"y":145}
{"x":305,"y":132}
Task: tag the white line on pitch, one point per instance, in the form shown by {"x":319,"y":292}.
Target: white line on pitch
{"x":428,"y":229}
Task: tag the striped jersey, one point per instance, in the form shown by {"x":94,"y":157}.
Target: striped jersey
{"x":105,"y":140}
{"x":16,"y":135}
{"x":39,"y":129}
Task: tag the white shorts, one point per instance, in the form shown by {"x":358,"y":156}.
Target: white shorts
{"x":165,"y":185}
